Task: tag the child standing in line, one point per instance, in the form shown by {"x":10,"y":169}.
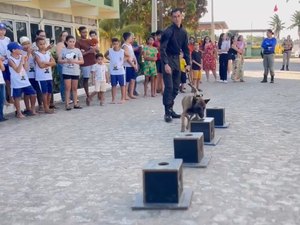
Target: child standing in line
{"x":196,"y":65}
{"x":43,"y":74}
{"x":116,"y":55}
{"x":100,"y":78}
{"x":183,"y":73}
{"x":150,"y":72}
{"x":71,"y":58}
{"x":19,"y":80}
{"x":2,"y":91}
{"x":28,"y":51}
{"x":4,"y":55}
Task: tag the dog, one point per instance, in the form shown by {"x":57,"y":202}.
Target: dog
{"x":193,"y":107}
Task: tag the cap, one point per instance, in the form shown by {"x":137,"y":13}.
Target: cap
{"x":24,"y":39}
{"x":2,"y":26}
{"x":270,"y":31}
{"x":13,"y":45}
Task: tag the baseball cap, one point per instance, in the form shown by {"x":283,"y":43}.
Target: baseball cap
{"x":13,"y":45}
{"x":2,"y":26}
{"x":24,"y":39}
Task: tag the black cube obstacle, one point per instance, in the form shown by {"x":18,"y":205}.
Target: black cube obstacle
{"x":207,"y":126}
{"x":189,"y":147}
{"x":163,"y":186}
{"x":219,"y":115}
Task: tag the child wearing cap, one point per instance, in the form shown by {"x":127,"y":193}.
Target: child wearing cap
{"x":28,"y":51}
{"x":43,"y":72}
{"x":19,"y":80}
{"x":4,"y":54}
{"x":2,"y":91}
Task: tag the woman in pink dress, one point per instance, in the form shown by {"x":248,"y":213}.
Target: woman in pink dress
{"x":209,"y":57}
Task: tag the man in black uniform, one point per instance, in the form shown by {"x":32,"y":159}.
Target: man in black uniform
{"x":173,"y":40}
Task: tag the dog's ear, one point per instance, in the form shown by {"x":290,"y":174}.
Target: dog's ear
{"x":206,"y":100}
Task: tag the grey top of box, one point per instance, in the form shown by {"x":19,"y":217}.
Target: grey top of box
{"x":204,"y":120}
{"x":164,"y":164}
{"x":192,"y":136}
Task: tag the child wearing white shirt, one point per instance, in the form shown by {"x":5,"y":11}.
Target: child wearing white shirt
{"x":19,"y":80}
{"x":2,"y":91}
{"x":100,"y":78}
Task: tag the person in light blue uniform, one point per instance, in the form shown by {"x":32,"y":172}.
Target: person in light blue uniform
{"x":268,"y":46}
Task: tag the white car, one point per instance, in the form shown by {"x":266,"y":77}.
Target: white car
{"x":297,"y":54}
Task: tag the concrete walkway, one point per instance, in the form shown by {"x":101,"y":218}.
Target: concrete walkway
{"x":84,"y":166}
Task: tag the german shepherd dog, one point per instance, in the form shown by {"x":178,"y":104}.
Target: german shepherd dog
{"x":193,"y":107}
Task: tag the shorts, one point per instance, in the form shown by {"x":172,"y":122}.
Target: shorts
{"x":158,"y":66}
{"x":100,"y":86}
{"x":86,"y":71}
{"x":130,"y":74}
{"x":6,"y":73}
{"x":115,"y":79}
{"x":197,"y":74}
{"x":17,"y":92}
{"x":150,"y":71}
{"x":46,"y":86}
{"x":183,"y":77}
{"x":35,"y":85}
{"x":70,"y":77}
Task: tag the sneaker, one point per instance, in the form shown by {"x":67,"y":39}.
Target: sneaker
{"x":225,"y":81}
{"x":3,"y":119}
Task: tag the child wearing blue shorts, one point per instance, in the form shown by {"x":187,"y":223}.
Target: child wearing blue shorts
{"x":116,"y":56}
{"x":19,"y":80}
{"x":43,"y":72}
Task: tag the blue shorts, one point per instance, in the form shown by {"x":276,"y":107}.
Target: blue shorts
{"x":17,"y":92}
{"x":86,"y":71}
{"x":6,"y":73}
{"x":130,"y":74}
{"x":115,"y":79}
{"x":46,"y":86}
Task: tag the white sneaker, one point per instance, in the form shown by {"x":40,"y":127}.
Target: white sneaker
{"x":225,"y":81}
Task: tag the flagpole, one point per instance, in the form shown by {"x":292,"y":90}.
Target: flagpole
{"x":212,"y":37}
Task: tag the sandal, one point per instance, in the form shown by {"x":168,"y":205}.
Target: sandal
{"x":77,"y":107}
{"x":68,"y":108}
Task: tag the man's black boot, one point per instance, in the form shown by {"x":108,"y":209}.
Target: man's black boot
{"x":282,"y":68}
{"x":287,"y":68}
{"x":272,"y":79}
{"x":168,"y":114}
{"x":264,"y":80}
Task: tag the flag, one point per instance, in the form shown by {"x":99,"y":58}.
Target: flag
{"x":275,"y":8}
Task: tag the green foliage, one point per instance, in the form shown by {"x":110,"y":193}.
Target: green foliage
{"x":295,"y":20}
{"x":277,"y":25}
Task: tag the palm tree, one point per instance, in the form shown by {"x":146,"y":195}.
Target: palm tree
{"x":296,"y":21}
{"x":277,"y":25}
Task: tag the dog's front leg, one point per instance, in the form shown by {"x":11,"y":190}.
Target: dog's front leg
{"x":183,"y":115}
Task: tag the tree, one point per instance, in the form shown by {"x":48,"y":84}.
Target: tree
{"x":277,"y":25}
{"x":296,"y":21}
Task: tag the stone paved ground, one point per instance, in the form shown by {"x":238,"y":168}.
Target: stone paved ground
{"x":84,"y":167}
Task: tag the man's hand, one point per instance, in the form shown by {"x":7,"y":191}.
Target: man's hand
{"x":168,"y":69}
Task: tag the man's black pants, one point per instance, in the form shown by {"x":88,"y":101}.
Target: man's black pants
{"x":171,"y":81}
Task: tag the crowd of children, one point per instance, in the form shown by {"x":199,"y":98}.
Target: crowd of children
{"x":26,"y":68}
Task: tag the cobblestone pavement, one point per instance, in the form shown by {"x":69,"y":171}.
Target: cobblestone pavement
{"x":84,"y":167}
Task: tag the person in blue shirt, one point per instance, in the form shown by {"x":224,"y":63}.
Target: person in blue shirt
{"x":268,"y":46}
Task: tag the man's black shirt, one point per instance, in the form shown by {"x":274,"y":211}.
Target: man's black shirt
{"x":173,"y":40}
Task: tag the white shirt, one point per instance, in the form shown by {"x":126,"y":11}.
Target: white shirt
{"x":31,"y":66}
{"x":18,"y":80}
{"x":43,"y":73}
{"x":225,"y":46}
{"x":4,"y":52}
{"x":1,"y":78}
{"x":131,"y":54}
{"x":116,"y":66}
{"x":100,"y":71}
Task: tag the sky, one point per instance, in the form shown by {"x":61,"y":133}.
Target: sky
{"x":240,"y":14}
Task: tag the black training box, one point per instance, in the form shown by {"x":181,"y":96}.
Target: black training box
{"x":162,"y":181}
{"x":206,"y":125}
{"x":189,"y":147}
{"x":218,"y":114}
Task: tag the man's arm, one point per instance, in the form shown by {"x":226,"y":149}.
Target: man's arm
{"x":185,"y":50}
{"x":163,"y":45}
